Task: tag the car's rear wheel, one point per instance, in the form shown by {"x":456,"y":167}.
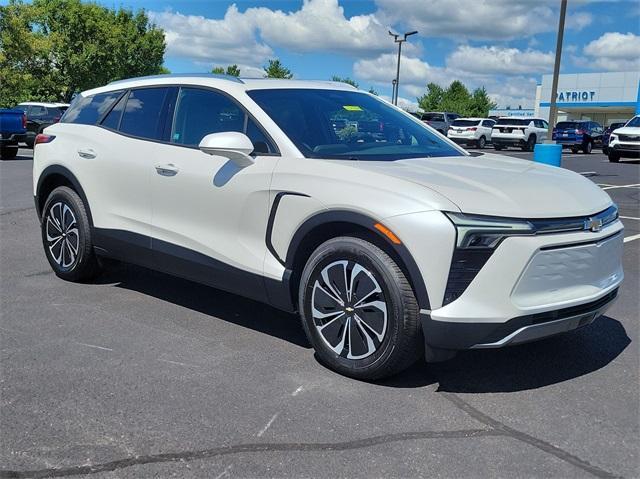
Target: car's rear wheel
{"x":587,"y":147}
{"x":530,"y":144}
{"x":358,"y":310}
{"x":574,"y":149}
{"x":8,"y":153}
{"x":66,"y":236}
{"x":482,"y":142}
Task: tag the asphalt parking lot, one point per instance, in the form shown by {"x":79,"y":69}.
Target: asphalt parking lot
{"x":143,"y":375}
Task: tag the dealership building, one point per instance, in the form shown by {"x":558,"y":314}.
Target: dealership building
{"x":602,"y":97}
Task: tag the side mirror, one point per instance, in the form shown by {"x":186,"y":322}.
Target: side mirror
{"x":230,"y":144}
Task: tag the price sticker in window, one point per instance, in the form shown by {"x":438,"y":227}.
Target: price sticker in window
{"x":352,"y":108}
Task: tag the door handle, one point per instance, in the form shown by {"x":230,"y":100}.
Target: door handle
{"x":86,"y":153}
{"x":167,"y":170}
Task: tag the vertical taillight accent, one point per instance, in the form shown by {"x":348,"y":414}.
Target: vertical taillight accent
{"x":42,"y":138}
{"x":24,"y":120}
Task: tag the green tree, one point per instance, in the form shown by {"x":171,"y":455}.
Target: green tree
{"x":275,"y":69}
{"x":231,"y":70}
{"x":373,"y":91}
{"x":481,"y":103}
{"x":51,"y":49}
{"x":346,"y":80}
{"x":432,"y":99}
{"x":456,"y":98}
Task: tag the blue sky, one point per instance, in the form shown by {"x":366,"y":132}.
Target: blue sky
{"x":504,"y":45}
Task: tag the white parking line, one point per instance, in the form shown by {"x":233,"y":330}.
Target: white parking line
{"x":637,"y":185}
{"x":629,"y":218}
{"x":264,"y":429}
{"x":632,"y":238}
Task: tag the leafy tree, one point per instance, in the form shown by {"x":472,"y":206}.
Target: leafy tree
{"x":275,"y":69}
{"x":373,"y":91}
{"x":480,"y":103}
{"x":456,"y":98}
{"x":231,"y":70}
{"x":432,"y":100}
{"x":51,"y":49}
{"x":346,"y":80}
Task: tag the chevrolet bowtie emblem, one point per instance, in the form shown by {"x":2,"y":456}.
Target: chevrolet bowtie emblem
{"x":593,"y":224}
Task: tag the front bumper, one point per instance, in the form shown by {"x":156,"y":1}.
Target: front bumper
{"x":632,"y":149}
{"x":530,"y":288}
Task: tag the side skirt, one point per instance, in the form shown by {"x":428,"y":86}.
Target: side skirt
{"x":189,"y":264}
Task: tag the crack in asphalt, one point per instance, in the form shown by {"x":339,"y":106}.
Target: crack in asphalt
{"x":15,"y":210}
{"x":247,"y":448}
{"x":544,"y":446}
{"x":495,"y":429}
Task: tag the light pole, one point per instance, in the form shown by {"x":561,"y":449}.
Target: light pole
{"x":553,"y":109}
{"x":393,"y":90}
{"x":399,"y":41}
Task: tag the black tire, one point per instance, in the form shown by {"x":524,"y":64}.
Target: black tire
{"x":614,"y":157}
{"x":482,"y":142}
{"x":65,"y":225}
{"x":8,"y":153}
{"x":587,"y":147}
{"x":605,"y":150}
{"x":574,"y":150}
{"x":497,"y":147}
{"x":395,"y":345}
{"x":531,"y":143}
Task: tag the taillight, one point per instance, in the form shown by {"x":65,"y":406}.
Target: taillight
{"x":579,"y":132}
{"x":474,"y":128}
{"x":42,"y":138}
{"x":24,"y":120}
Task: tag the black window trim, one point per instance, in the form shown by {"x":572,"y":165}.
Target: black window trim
{"x":171,"y":114}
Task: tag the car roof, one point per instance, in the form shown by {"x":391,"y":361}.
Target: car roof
{"x":223,"y":82}
{"x":40,"y":103}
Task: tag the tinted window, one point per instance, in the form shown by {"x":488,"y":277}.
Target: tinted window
{"x":466,"y":123}
{"x":36,"y":111}
{"x":569,"y":125}
{"x":112,"y":120}
{"x":488,"y":123}
{"x":538,"y":123}
{"x":635,"y":121}
{"x":433,"y":117}
{"x":87,"y":110}
{"x":513,"y":121}
{"x":374,"y":130}
{"x":142,"y":115}
{"x":200,"y":112}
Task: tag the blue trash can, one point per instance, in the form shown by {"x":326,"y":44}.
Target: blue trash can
{"x":549,"y":154}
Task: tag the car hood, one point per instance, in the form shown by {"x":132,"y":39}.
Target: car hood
{"x":627,"y":130}
{"x":498,"y":185}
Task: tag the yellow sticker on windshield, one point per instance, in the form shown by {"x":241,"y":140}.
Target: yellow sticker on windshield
{"x":352,"y":108}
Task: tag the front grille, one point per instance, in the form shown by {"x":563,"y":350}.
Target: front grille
{"x":629,"y":137}
{"x":465,"y":266}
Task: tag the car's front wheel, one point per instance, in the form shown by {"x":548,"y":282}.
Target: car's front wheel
{"x":614,"y":157}
{"x":359,"y":310}
{"x":66,"y":236}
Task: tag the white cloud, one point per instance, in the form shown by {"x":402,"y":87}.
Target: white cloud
{"x":413,"y":71}
{"x":249,"y":37}
{"x":478,"y":19}
{"x":614,"y":51}
{"x":500,"y":60}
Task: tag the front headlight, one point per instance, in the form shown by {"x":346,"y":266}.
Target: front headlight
{"x":613,"y":138}
{"x":476,"y":231}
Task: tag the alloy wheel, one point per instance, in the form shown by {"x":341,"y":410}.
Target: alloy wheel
{"x":63,"y":240}
{"x":349,"y":309}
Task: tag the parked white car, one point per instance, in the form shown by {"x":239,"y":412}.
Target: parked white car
{"x":520,"y":132}
{"x":471,"y":131}
{"x":625,"y":142}
{"x":391,"y":242}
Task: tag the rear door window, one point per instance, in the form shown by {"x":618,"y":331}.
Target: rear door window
{"x":144,"y":114}
{"x":87,"y":110}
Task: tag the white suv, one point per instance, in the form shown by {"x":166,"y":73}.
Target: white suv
{"x":521,"y":132}
{"x":471,"y":131}
{"x":388,"y":239}
{"x":625,"y":142}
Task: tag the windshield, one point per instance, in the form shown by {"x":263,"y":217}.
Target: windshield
{"x":466,"y":123}
{"x":635,"y":121}
{"x":349,"y":125}
{"x":513,"y":121}
{"x":433,"y":117}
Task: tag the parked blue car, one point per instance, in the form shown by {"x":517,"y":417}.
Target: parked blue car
{"x":13,"y":129}
{"x":579,"y":135}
